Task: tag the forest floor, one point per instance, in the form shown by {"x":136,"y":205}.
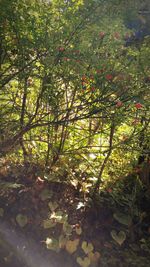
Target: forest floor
{"x":51,"y":224}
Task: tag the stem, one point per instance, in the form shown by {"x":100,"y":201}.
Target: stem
{"x":98,"y":182}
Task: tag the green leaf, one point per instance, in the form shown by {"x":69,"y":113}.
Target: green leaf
{"x":85,"y":262}
{"x":87,"y":247}
{"x":62,"y":241}
{"x":46,"y":194}
{"x":53,"y":205}
{"x":118,"y":237}
{"x":123,"y":218}
{"x":67,"y":228}
{"x":52,"y":244}
{"x":22,"y":220}
{"x":8,"y":185}
{"x":59,"y":216}
{"x":49,"y":224}
{"x":72,"y":245}
{"x":78,"y":230}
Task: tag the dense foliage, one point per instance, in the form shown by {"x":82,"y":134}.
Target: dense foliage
{"x":70,"y":85}
{"x":74,"y":95}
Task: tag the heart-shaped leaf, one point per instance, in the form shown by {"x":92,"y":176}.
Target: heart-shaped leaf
{"x":67,"y":228}
{"x":46,"y":194}
{"x":87,"y":247}
{"x":53,"y":205}
{"x":78,"y":230}
{"x":94,"y":257}
{"x":60,"y":217}
{"x":22,"y":220}
{"x":85,"y":262}
{"x":49,"y":224}
{"x":1,"y":212}
{"x":71,"y":246}
{"x":118,"y":237}
{"x":52,"y":244}
{"x":123,"y":218}
{"x":62,"y":241}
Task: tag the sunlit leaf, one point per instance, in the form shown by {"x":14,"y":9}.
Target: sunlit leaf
{"x":59,"y":216}
{"x":49,"y":224}
{"x":85,"y":262}
{"x":67,"y":228}
{"x":52,"y":244}
{"x":87,"y":247}
{"x":71,"y":246}
{"x":80,"y":205}
{"x":53,"y":205}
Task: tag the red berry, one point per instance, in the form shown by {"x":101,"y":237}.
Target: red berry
{"x":91,"y":77}
{"x":137,"y":169}
{"x":84,"y":79}
{"x":138,"y":105}
{"x":109,"y":190}
{"x":100,"y":71}
{"x":61,"y":49}
{"x":101,"y":34}
{"x":66,"y":59}
{"x":127,"y":36}
{"x":109,"y":77}
{"x":77,"y":51}
{"x":116,"y":35}
{"x":136,"y":121}
{"x":84,"y":83}
{"x":119,"y":104}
